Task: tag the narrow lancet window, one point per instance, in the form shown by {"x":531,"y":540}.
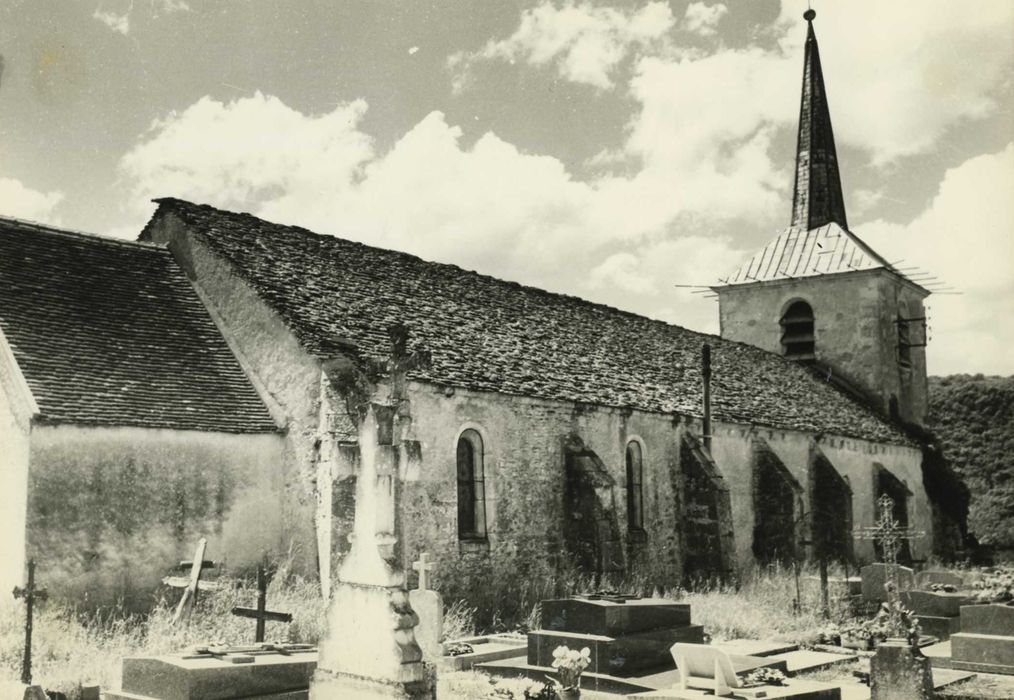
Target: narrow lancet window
{"x":471,"y":487}
{"x":635,"y":473}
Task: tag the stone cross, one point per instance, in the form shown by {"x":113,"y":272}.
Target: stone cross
{"x":889,"y":533}
{"x":31,"y":594}
{"x":261,"y":613}
{"x":423,"y":566}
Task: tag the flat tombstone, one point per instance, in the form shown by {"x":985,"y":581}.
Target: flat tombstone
{"x":876,"y":576}
{"x":613,"y":618}
{"x":703,"y":666}
{"x":925,"y":579}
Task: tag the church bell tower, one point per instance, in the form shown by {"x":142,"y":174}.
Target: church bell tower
{"x":817,"y":294}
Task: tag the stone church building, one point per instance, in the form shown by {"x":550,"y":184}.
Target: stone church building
{"x":200,"y":382}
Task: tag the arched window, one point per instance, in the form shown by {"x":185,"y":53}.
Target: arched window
{"x":797,"y":332}
{"x":471,"y":487}
{"x":635,"y":473}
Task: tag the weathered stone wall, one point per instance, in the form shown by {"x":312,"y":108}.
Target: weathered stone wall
{"x":15,"y":427}
{"x":288,"y":379}
{"x":111,"y":510}
{"x":855,"y":319}
{"x":525,"y":476}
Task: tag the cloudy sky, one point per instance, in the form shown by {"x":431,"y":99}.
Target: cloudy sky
{"x":605,"y":149}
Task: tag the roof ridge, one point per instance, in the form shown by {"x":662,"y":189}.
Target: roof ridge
{"x":38,"y":227}
{"x":411,"y":256}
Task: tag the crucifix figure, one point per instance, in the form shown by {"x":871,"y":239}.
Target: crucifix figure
{"x":423,"y":566}
{"x":890,"y":535}
{"x":31,"y":594}
{"x":261,"y":613}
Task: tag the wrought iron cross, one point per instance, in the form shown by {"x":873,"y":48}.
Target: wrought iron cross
{"x":31,"y":594}
{"x":261,"y":613}
{"x":889,"y":533}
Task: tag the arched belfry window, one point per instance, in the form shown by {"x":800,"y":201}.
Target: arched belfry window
{"x":635,"y":474}
{"x":471,"y":487}
{"x":797,"y":332}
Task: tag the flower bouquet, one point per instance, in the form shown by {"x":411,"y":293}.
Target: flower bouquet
{"x":569,"y":665}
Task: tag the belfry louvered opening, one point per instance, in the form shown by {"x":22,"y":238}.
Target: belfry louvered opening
{"x":798,"y":341}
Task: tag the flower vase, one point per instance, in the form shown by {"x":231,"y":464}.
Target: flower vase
{"x":568,"y":693}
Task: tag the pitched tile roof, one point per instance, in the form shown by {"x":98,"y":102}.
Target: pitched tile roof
{"x":489,"y":335}
{"x":111,"y":332}
{"x":796,"y":253}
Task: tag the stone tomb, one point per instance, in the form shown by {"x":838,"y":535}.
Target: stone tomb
{"x":925,"y":579}
{"x":625,"y":635}
{"x":986,"y":640}
{"x":250,"y":672}
{"x":939,"y":614}
{"x":875,"y":577}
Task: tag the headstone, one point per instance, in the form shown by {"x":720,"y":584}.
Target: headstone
{"x":704,"y":667}
{"x":899,"y":671}
{"x":624,"y":635}
{"x":986,"y":640}
{"x":429,"y":606}
{"x":939,"y":614}
{"x":876,"y":576}
{"x":925,"y":579}
{"x":370,"y":650}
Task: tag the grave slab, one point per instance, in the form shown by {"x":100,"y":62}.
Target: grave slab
{"x":853,"y":584}
{"x":991,"y":650}
{"x":619,"y":656}
{"x":174,"y":677}
{"x":755,"y":647}
{"x":796,"y":689}
{"x":486,"y":648}
{"x":940,"y":627}
{"x":612,"y":618}
{"x":805,"y":660}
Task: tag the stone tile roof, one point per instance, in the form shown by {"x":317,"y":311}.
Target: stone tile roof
{"x":489,"y":335}
{"x":111,"y":332}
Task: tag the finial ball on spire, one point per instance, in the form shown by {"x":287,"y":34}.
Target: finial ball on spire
{"x":809,"y":15}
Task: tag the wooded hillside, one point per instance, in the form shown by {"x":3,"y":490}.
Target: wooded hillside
{"x":973,"y":416}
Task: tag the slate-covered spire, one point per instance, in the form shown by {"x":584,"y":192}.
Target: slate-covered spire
{"x":817,"y":199}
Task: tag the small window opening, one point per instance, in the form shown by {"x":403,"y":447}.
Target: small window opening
{"x":635,"y":473}
{"x":471,"y":487}
{"x":798,"y":341}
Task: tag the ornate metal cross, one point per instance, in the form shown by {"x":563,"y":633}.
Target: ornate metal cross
{"x":889,"y":534}
{"x":31,"y":594}
{"x":261,"y":613}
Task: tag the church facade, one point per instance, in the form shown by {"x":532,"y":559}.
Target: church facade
{"x":524,"y":421}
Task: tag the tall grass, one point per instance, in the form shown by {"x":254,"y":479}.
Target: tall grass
{"x":72,"y":648}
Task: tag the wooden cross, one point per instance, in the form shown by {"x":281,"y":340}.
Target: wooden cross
{"x":261,"y":613}
{"x":31,"y":594}
{"x":191,"y":584}
{"x":423,"y":566}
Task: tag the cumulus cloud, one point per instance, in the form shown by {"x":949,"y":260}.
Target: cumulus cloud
{"x":702,"y":18}
{"x":966,"y":238}
{"x":22,"y":202}
{"x":585,"y":43}
{"x":119,"y":23}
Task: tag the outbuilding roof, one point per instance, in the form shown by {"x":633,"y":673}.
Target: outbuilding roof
{"x":490,"y":335}
{"x":109,"y":332}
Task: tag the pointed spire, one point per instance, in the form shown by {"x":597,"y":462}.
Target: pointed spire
{"x":817,"y":199}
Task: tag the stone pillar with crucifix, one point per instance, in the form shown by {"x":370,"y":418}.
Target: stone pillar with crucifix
{"x":370,"y":649}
